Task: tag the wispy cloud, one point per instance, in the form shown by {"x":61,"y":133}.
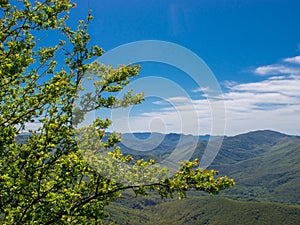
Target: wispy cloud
{"x":201,"y":89}
{"x":284,"y":86}
{"x":295,"y":59}
{"x":288,"y":66}
{"x":271,"y":103}
{"x":276,"y":70}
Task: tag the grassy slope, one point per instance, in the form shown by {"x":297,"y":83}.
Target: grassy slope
{"x":205,"y":210}
{"x":273,"y":175}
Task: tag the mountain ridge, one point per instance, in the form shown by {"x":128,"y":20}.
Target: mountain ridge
{"x":269,"y":131}
{"x":264,"y":164}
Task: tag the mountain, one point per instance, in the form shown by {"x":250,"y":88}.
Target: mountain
{"x":21,"y":138}
{"x":246,"y":146}
{"x":265,"y":164}
{"x":159,"y":146}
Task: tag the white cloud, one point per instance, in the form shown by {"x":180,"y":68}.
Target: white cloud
{"x":180,"y":99}
{"x":295,"y":59}
{"x":286,"y":86}
{"x":271,"y":103}
{"x":268,"y":104}
{"x":32,"y":126}
{"x":197,"y":90}
{"x":276,"y":70}
{"x":201,"y":89}
{"x":173,"y":101}
{"x":158,"y":103}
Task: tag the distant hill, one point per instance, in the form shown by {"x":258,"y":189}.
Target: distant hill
{"x":156,"y":145}
{"x":264,"y":164}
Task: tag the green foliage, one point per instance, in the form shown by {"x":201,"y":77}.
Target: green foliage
{"x":48,"y":180}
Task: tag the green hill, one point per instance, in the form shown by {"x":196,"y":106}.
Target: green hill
{"x":202,"y":210}
{"x":264,"y":164}
{"x":266,"y":169}
{"x":271,"y":170}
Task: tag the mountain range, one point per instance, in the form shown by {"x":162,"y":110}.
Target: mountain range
{"x":265,"y":165}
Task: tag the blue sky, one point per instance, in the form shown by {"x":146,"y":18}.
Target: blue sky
{"x":251,"y":46}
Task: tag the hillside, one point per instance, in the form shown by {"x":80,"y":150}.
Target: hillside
{"x":202,"y":210}
{"x":264,"y":164}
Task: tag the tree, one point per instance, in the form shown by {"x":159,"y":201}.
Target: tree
{"x":48,"y":179}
